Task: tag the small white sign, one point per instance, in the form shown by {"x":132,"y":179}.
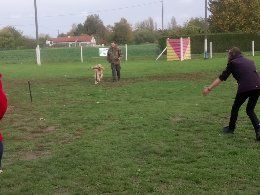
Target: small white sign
{"x":103,"y":51}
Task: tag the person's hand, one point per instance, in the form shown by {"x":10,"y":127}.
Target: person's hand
{"x":206,"y":91}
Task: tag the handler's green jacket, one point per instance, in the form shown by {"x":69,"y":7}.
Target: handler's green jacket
{"x":113,"y":55}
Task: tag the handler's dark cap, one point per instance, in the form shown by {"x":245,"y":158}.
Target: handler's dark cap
{"x":234,"y":51}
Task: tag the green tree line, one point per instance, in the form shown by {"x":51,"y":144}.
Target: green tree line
{"x":226,"y":16}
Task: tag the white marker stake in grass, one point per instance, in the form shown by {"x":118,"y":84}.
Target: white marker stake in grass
{"x":253,"y":48}
{"x":210,"y":50}
{"x":81,"y":54}
{"x":38,"y":55}
{"x":125,"y":52}
{"x":205,"y":48}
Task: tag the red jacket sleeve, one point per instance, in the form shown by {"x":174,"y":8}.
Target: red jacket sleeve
{"x":3,"y":100}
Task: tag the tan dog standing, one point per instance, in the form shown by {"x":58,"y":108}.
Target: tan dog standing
{"x":98,"y":69}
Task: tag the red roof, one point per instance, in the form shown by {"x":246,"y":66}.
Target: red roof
{"x":82,"y":38}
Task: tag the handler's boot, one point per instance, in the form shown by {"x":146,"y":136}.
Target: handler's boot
{"x":228,"y":130}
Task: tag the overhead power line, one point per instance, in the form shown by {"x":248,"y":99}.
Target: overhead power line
{"x":84,"y":13}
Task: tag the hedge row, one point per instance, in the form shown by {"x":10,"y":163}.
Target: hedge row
{"x":221,"y":42}
{"x":72,"y":54}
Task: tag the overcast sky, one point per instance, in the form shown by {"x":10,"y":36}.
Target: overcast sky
{"x":59,"y":15}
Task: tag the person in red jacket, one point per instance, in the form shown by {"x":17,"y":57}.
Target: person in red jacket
{"x":3,"y":108}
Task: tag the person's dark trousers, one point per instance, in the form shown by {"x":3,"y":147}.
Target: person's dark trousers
{"x":116,"y":71}
{"x":1,"y":153}
{"x":252,"y":97}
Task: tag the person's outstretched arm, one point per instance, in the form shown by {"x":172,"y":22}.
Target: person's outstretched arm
{"x":223,"y":77}
{"x":214,"y":84}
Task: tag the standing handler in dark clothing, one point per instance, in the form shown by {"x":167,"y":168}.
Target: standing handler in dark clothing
{"x":244,"y":71}
{"x":114,"y":55}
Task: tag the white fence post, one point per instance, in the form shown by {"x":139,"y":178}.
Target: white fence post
{"x":253,"y":48}
{"x":181,"y":41}
{"x":81,"y":54}
{"x":38,"y":55}
{"x":125,"y":52}
{"x":211,"y":51}
{"x":205,"y":48}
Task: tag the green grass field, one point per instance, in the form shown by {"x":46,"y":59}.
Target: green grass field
{"x":152,"y":132}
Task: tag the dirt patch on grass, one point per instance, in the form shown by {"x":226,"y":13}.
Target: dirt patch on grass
{"x":49,"y":129}
{"x":197,"y":76}
{"x":194,"y":76}
{"x":41,"y":151}
{"x":10,"y":109}
{"x":78,"y":133}
{"x":177,"y":119}
{"x":61,"y":191}
{"x":40,"y":132}
{"x":33,"y":155}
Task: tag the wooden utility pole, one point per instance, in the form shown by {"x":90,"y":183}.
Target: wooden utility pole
{"x":162,"y":16}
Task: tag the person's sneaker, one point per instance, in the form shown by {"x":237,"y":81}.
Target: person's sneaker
{"x":1,"y":171}
{"x":228,"y":130}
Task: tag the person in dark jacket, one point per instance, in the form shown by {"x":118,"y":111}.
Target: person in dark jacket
{"x":114,"y":56}
{"x":244,"y":71}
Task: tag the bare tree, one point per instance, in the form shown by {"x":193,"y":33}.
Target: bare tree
{"x":147,"y":24}
{"x":172,"y":24}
